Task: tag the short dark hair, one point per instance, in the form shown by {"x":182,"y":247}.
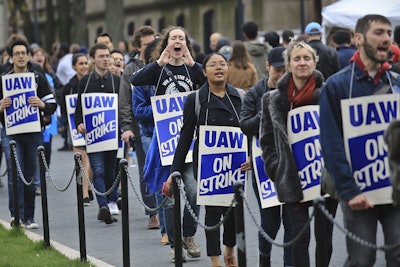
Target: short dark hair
{"x":96,"y":47}
{"x":250,"y":28}
{"x":116,"y":51}
{"x":286,"y":35}
{"x":396,"y":35}
{"x":102,"y":35}
{"x":341,"y":37}
{"x":17,"y":42}
{"x":364,"y":23}
{"x":272,"y":38}
{"x":142,"y":31}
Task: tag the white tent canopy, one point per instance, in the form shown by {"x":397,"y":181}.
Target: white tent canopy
{"x":345,"y":13}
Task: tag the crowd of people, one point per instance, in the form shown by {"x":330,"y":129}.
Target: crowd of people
{"x":248,"y":85}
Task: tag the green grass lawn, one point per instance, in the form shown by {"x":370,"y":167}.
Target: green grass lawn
{"x":16,"y":249}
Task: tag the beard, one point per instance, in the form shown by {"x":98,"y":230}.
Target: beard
{"x":370,"y":52}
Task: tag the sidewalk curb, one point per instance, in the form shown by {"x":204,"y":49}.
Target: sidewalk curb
{"x":66,"y":251}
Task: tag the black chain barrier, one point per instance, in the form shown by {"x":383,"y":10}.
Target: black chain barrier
{"x":123,"y":175}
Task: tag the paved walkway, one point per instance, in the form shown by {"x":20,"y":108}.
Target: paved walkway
{"x":104,"y":242}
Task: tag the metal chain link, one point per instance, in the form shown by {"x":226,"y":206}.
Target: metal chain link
{"x":51,"y":178}
{"x":19,"y":170}
{"x":352,"y":236}
{"x":140,"y":199}
{"x":115,"y":184}
{"x":194,"y":216}
{"x":266,"y":236}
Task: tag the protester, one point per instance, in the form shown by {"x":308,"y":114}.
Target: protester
{"x":342,"y":42}
{"x":300,"y":86}
{"x":80,"y":64}
{"x":328,"y":63}
{"x":129,"y":124}
{"x":287,"y":36}
{"x":142,"y":110}
{"x":242,"y":72}
{"x":257,"y":50}
{"x":103,"y":163}
{"x":250,"y":117}
{"x":175,"y":71}
{"x":214,"y":37}
{"x":26,"y":143}
{"x":119,"y":64}
{"x":367,"y":73}
{"x":272,"y":38}
{"x":220,"y":106}
{"x":106,"y":39}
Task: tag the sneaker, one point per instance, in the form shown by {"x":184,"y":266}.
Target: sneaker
{"x":164,"y":240}
{"x":113,"y":207}
{"x":38,"y":192}
{"x":192,"y":248}
{"x":30,"y":224}
{"x":86,"y":202}
{"x":153,"y":222}
{"x":105,"y":216}
{"x":12,"y":222}
{"x":172,"y":255}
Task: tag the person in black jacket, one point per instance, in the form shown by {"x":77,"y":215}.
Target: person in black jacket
{"x":250,"y":117}
{"x":328,"y":63}
{"x":220,"y":106}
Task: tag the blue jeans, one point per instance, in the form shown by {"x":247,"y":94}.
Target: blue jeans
{"x":189,"y":224}
{"x":160,"y":212}
{"x":26,"y":148}
{"x":364,"y":224}
{"x":142,"y":146}
{"x":103,"y":167}
{"x":270,"y":223}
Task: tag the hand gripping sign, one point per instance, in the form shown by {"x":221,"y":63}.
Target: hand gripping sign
{"x":364,"y":121}
{"x":168,"y":120}
{"x":303,"y":136}
{"x":101,"y":121}
{"x":77,"y":138}
{"x":266,"y":187}
{"x":20,"y":117}
{"x":221,"y":152}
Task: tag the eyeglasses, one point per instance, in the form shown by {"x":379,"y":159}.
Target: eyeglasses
{"x":19,"y":54}
{"x":214,"y":65}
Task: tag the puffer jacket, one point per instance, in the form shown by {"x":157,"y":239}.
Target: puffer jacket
{"x":279,"y":162}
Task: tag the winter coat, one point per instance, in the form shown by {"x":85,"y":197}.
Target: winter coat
{"x":259,"y":55}
{"x":279,"y":162}
{"x":242,"y":78}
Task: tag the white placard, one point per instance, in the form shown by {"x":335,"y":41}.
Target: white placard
{"x":70,"y":103}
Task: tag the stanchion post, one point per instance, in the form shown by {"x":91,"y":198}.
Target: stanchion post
{"x":177,"y":220}
{"x":14,"y":177}
{"x":239,"y":225}
{"x":43,"y":189}
{"x":321,"y":257}
{"x":123,"y":163}
{"x":81,"y":213}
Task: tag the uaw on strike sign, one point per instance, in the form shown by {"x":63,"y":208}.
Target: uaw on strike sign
{"x":101,"y":121}
{"x":20,"y":117}
{"x":364,"y":121}
{"x":303,"y":136}
{"x":266,"y":187}
{"x":168,"y":121}
{"x":221,"y":152}
{"x":77,"y":138}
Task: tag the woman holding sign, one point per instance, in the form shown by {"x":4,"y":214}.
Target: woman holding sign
{"x":220,"y":105}
{"x":300,"y":86}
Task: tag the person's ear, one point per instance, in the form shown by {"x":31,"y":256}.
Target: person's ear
{"x":359,"y":39}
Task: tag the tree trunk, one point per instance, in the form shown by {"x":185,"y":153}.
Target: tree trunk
{"x":50,"y":25}
{"x":115,"y":19}
{"x":64,"y":21}
{"x":79,"y":29}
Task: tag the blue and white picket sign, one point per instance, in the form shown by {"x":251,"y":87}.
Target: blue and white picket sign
{"x":364,"y":121}
{"x":168,"y":121}
{"x":100,"y":116}
{"x":221,"y":152}
{"x":77,"y":138}
{"x":121,"y":148}
{"x":303,"y":137}
{"x":266,"y":187}
{"x":20,"y":117}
